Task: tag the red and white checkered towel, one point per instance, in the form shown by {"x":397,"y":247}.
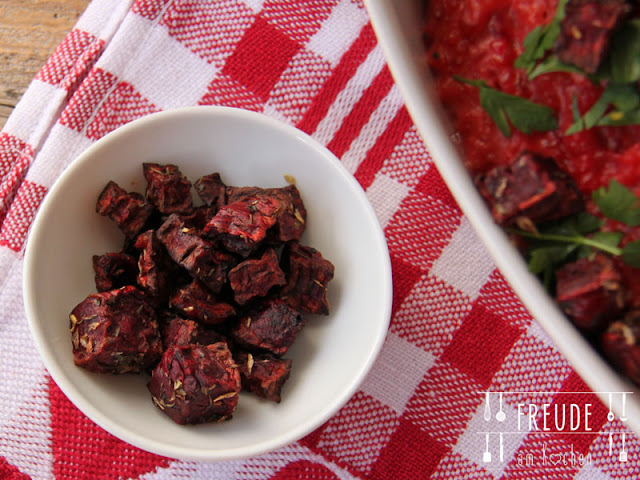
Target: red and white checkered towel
{"x":457,"y":330}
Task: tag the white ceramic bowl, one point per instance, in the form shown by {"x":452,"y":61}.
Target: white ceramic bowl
{"x":331,"y":355}
{"x":399,"y":28}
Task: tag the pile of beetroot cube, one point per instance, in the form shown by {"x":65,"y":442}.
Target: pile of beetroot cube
{"x":207,"y":298}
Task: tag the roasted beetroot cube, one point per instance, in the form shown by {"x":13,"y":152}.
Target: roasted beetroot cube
{"x":114,"y":270}
{"x":586,"y":31}
{"x":195,"y":254}
{"x":308,"y":275}
{"x":292,"y":214}
{"x":198,"y":218}
{"x":242,"y":226}
{"x":532,"y":187}
{"x":196,"y":383}
{"x":255,"y":277}
{"x":621,"y":345}
{"x":154,"y":264}
{"x":263,"y":374}
{"x":167,"y":188}
{"x":128,"y":210}
{"x":273,"y":327}
{"x":180,"y":331}
{"x":197,"y":302}
{"x":115,"y":332}
{"x":590,"y":292}
{"x":235,"y":194}
{"x":211,"y":190}
{"x":293,"y":221}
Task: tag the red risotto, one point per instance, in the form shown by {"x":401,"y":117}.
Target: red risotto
{"x":544,"y":100}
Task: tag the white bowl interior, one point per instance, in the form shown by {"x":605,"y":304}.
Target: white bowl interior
{"x":331,"y":355}
{"x":399,"y":28}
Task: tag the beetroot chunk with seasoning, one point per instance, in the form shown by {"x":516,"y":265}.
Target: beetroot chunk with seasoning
{"x":621,"y":345}
{"x":115,"y":332}
{"x":167,"y":188}
{"x":308,"y":275}
{"x":196,"y":384}
{"x":195,"y":254}
{"x":532,"y":188}
{"x":263,"y":374}
{"x":180,"y":331}
{"x":293,"y":221}
{"x":129,"y":210}
{"x":242,"y":226}
{"x":198,"y":218}
{"x":211,"y":190}
{"x":255,"y":277}
{"x":272,"y":327}
{"x":291,"y":216}
{"x":586,"y":31}
{"x":114,"y":270}
{"x":154,"y":264}
{"x":590,"y":292}
{"x":197,"y":302}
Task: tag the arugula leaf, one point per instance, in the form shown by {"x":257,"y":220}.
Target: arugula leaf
{"x":631,"y":254}
{"x":618,"y":203}
{"x":540,"y":40}
{"x":504,"y":108}
{"x":623,"y":99}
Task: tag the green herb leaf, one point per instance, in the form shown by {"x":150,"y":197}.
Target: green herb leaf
{"x":623,"y":63}
{"x":606,"y":243}
{"x":545,"y":258}
{"x":540,"y":40}
{"x":619,"y":118}
{"x":576,"y":225}
{"x":612,"y":239}
{"x":503,"y":108}
{"x":618,"y":105}
{"x":552,"y":64}
{"x":618,"y":203}
{"x":578,"y":122}
{"x":585,"y":223}
{"x":631,"y":254}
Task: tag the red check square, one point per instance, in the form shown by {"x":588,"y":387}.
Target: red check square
{"x":261,"y":56}
{"x":476,"y":349}
{"x":410,"y":454}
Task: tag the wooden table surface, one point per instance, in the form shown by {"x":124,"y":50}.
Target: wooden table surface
{"x":30,"y":30}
